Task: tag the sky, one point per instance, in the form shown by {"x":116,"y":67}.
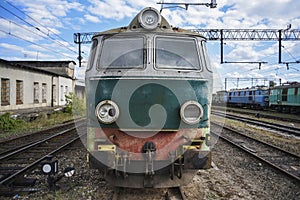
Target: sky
{"x":43,"y":30}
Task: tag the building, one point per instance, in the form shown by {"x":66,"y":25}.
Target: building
{"x":33,"y":84}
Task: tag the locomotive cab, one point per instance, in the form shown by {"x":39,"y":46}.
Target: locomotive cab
{"x":149,"y":91}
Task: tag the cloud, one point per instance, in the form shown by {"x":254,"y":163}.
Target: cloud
{"x":11,"y":47}
{"x":111,"y":9}
{"x":91,"y":18}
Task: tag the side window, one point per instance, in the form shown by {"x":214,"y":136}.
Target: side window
{"x":92,"y":54}
{"x":206,"y":56}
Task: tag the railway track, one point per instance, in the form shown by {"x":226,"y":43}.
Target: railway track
{"x":277,"y":127}
{"x":284,"y":161}
{"x":11,"y":145}
{"x":174,"y":193}
{"x":265,"y":114}
{"x":18,"y":161}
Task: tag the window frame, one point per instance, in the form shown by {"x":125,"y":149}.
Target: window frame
{"x":19,"y":92}
{"x":122,"y":37}
{"x":198,"y":53}
{"x":5,"y":91}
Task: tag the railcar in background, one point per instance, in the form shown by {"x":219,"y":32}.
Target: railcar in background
{"x":254,"y":98}
{"x":285,"y":98}
{"x":149,"y":93}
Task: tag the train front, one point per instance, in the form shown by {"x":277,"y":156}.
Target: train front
{"x":148,"y":103}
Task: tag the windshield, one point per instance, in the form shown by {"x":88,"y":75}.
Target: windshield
{"x":122,"y":53}
{"x":176,"y":53}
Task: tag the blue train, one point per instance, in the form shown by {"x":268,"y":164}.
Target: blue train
{"x":250,"y":97}
{"x":283,"y":98}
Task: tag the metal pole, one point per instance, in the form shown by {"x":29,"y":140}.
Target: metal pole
{"x":279,"y":51}
{"x":79,"y":50}
{"x":221,"y":39}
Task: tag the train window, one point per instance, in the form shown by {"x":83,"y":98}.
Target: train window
{"x":206,"y":57}
{"x":176,"y":53}
{"x":296,"y":91}
{"x":92,"y":54}
{"x":118,"y":53}
{"x":284,"y":94}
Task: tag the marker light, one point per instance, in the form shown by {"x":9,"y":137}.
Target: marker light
{"x":49,"y":167}
{"x":107,"y":112}
{"x":149,"y":18}
{"x":191,"y":112}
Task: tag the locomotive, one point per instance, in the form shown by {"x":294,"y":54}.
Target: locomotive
{"x":285,"y":98}
{"x":149,"y":90}
{"x":282,"y":98}
{"x":255,"y":97}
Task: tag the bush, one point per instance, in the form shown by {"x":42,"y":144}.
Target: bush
{"x":74,"y":105}
{"x":8,"y":124}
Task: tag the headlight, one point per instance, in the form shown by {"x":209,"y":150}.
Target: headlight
{"x":107,"y":111}
{"x":191,"y":112}
{"x":149,"y":18}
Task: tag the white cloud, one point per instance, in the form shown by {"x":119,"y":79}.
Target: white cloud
{"x":11,"y":47}
{"x":111,"y":9}
{"x":91,"y":18}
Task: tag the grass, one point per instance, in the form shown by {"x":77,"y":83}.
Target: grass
{"x":11,"y":127}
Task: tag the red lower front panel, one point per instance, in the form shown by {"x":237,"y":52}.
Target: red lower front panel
{"x":133,"y":141}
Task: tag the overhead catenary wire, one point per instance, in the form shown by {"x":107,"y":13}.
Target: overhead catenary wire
{"x":37,"y":22}
{"x":21,"y":26}
{"x":29,"y":24}
{"x":16,"y":36}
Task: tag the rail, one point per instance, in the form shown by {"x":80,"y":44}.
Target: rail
{"x":284,"y":161}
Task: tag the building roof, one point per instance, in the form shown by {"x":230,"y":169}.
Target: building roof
{"x":55,"y":63}
{"x":20,"y":65}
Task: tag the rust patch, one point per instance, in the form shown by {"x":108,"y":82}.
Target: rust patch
{"x":165,"y":141}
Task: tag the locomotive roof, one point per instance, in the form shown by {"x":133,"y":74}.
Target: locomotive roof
{"x":288,"y":85}
{"x":249,"y":89}
{"x":136,"y":27}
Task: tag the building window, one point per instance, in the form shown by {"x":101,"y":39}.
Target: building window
{"x":5,"y":90}
{"x":44,"y":93}
{"x":35,"y":92}
{"x":19,"y":92}
{"x":66,"y":90}
{"x":61,"y":92}
{"x":54,"y":93}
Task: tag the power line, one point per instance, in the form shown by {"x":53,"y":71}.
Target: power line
{"x":35,"y":43}
{"x":37,"y":22}
{"x":53,"y":39}
{"x":19,"y":25}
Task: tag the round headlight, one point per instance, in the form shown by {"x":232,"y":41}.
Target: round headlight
{"x":107,"y":111}
{"x":149,"y":18}
{"x":191,"y":112}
